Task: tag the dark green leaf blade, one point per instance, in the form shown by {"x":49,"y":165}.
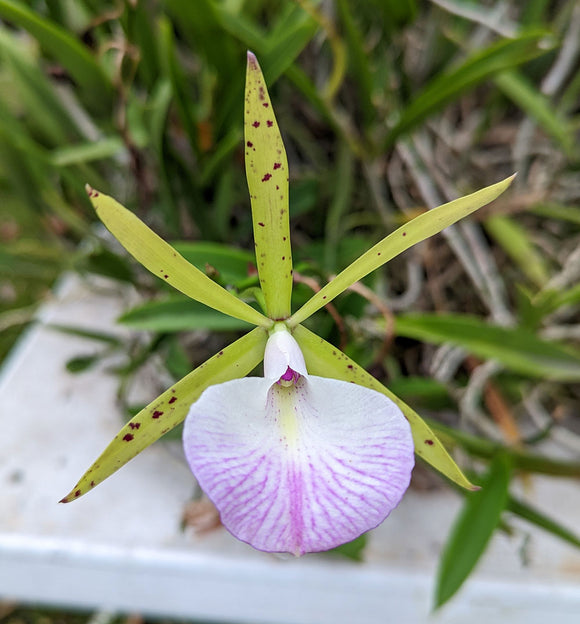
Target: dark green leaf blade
{"x":473,"y":529}
{"x":70,"y":52}
{"x":517,"y":349}
{"x":480,"y":66}
{"x":176,"y":314}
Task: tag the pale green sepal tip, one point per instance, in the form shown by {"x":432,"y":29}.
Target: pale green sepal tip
{"x":166,"y":263}
{"x":170,"y":408}
{"x":325,"y":360}
{"x":417,"y":230}
{"x":267,"y":175}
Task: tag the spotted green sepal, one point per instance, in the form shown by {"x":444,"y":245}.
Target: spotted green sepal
{"x":170,"y":409}
{"x":325,"y":360}
{"x":163,"y":261}
{"x":417,"y":230}
{"x":267,"y":174}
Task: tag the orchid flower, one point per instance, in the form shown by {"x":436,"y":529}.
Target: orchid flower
{"x":317,"y":451}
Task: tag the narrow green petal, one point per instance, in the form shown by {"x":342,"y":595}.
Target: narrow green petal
{"x":327,"y":361}
{"x":417,"y":230}
{"x":163,"y":261}
{"x":267,"y":174}
{"x":170,"y":408}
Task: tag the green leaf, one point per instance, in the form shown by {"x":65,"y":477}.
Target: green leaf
{"x":352,"y":550}
{"x":67,"y":50}
{"x":447,"y":86}
{"x":175,"y":314}
{"x":174,"y":71}
{"x":36,"y":94}
{"x":86,"y":152}
{"x":328,"y":361}
{"x":232,"y":265}
{"x":88,"y":334}
{"x":163,"y":261}
{"x":521,"y":460}
{"x":420,"y":228}
{"x":171,"y":408}
{"x":552,"y":210}
{"x":267,"y":174}
{"x":81,"y":363}
{"x":527,"y":512}
{"x":516,"y":243}
{"x":473,"y":529}
{"x":517,"y":87}
{"x":516,"y":348}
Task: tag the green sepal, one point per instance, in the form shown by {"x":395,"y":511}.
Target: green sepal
{"x":267,"y":174}
{"x":417,"y":230}
{"x":171,"y":408}
{"x":166,"y":263}
{"x":325,"y":360}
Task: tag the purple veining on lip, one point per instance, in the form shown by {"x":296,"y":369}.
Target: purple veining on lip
{"x":302,"y":467}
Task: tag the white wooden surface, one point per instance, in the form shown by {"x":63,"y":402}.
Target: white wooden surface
{"x":121,"y":546}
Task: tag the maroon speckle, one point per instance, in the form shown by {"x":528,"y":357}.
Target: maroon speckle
{"x":250,"y":144}
{"x":134,"y":425}
{"x":166,"y":276}
{"x":260,"y":224}
{"x":92,"y":484}
{"x":277,"y":187}
{"x":283,"y":238}
{"x":324,"y":296}
{"x":283,"y":257}
{"x":266,"y":177}
{"x":256,"y":124}
{"x":269,"y":123}
{"x":128,"y":437}
{"x":265,"y":105}
{"x":277,"y":165}
{"x":156,"y":414}
{"x":429,"y":442}
{"x":404,"y":234}
{"x":350,"y":366}
{"x":172,"y":400}
{"x":379,"y":253}
{"x":77,"y":493}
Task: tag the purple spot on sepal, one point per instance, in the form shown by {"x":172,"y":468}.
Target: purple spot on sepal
{"x":277,"y":165}
{"x":266,"y":177}
{"x":256,"y":124}
{"x":269,"y":123}
{"x":156,"y":414}
{"x":128,"y":437}
{"x":172,"y":400}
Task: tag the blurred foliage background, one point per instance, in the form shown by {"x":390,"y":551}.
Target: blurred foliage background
{"x":387,"y":108}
